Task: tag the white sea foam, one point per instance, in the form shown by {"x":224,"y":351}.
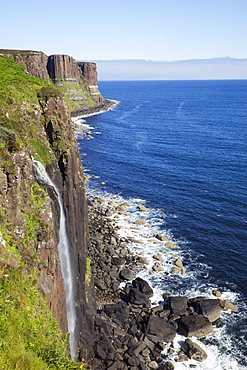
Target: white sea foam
{"x":218,"y":345}
{"x":78,"y":120}
{"x":215,"y":359}
{"x":80,"y":127}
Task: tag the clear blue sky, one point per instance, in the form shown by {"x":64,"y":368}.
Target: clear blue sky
{"x":129,"y":29}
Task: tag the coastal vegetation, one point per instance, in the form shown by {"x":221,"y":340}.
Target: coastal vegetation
{"x":20,"y":110}
{"x":30,"y":336}
{"x":76,"y":94}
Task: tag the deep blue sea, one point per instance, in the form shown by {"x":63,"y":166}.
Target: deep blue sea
{"x":181,"y":146}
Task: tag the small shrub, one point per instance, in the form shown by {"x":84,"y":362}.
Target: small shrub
{"x":48,"y":91}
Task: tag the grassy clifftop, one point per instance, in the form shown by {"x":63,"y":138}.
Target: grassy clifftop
{"x":20,"y":109}
{"x":30,"y":337}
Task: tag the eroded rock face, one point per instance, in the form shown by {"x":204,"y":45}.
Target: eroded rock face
{"x":89,"y":71}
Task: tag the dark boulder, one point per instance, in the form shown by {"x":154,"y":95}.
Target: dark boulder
{"x":157,"y":309}
{"x":99,"y":283}
{"x":104,"y":349}
{"x":116,"y":311}
{"x":133,"y":329}
{"x":207,"y":307}
{"x":127,"y":274}
{"x":197,"y":326}
{"x":138,"y":298}
{"x":194,"y":351}
{"x":143,"y":287}
{"x":100,"y":352}
{"x":158,"y":330}
{"x":178,"y":305}
{"x":149,"y":343}
{"x":133,"y":361}
{"x":137,"y":348}
{"x":167,"y":366}
{"x":117,"y":261}
{"x":102,"y":326}
{"x":115,"y":366}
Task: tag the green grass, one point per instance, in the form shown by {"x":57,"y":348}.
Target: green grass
{"x":88,"y":270}
{"x":20,"y":125}
{"x":72,"y":89}
{"x":30,"y":336}
{"x":16,"y":86}
{"x":34,"y":221}
{"x":35,"y":225}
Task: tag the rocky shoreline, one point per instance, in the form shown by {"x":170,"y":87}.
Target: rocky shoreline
{"x":85,"y":112}
{"x":133,"y":333}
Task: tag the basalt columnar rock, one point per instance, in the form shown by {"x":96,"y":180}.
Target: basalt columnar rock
{"x":81,"y":84}
{"x":89,"y":71}
{"x":64,"y":68}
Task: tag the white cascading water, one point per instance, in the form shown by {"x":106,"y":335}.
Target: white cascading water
{"x":64,"y":256}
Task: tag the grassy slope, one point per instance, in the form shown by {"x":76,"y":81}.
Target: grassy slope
{"x":19,"y":106}
{"x":30,"y":337}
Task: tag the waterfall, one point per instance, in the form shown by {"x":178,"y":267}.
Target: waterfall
{"x":64,"y":256}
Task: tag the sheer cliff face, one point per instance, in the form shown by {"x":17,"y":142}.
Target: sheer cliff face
{"x":42,"y":128}
{"x":67,"y":173}
{"x":64,"y":68}
{"x":89,"y":71}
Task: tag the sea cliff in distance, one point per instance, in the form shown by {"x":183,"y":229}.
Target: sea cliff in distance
{"x":193,"y":69}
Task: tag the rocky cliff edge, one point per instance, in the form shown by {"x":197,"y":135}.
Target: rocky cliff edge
{"x":35,"y":123}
